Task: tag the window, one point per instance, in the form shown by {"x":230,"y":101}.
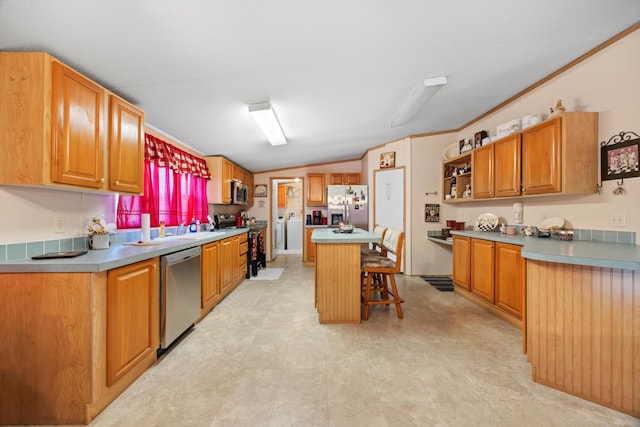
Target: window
{"x":175,"y":188}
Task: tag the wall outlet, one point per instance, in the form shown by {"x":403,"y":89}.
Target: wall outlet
{"x":58,"y":225}
{"x":618,"y":220}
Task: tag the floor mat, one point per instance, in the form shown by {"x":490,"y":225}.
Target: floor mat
{"x":268,"y":274}
{"x":441,"y":283}
{"x":240,"y":299}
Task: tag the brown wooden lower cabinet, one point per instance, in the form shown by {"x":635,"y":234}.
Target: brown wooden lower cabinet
{"x":493,"y":275}
{"x":64,"y":332}
{"x":210,"y":268}
{"x":132,"y":317}
{"x":482,"y":269}
{"x":309,"y":246}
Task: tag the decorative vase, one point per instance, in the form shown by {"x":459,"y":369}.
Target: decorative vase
{"x":99,"y":241}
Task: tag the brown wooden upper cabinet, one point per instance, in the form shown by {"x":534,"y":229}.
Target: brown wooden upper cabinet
{"x":57,"y":127}
{"x":316,"y":189}
{"x":348,"y":178}
{"x":77,"y":142}
{"x":222,"y":173}
{"x":126,"y":147}
{"x":496,"y":171}
{"x":555,"y":156}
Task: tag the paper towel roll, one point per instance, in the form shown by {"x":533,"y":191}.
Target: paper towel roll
{"x":146,"y":227}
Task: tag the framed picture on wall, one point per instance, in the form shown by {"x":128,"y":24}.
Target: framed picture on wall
{"x":260,"y":191}
{"x":619,"y":157}
{"x":388,"y":160}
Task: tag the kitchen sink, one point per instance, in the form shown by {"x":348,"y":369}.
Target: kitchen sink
{"x":191,"y":236}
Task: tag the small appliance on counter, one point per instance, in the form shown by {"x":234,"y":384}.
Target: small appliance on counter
{"x":317,"y":217}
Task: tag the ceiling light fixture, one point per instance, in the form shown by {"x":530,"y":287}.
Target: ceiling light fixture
{"x":268,"y":123}
{"x":416,"y":100}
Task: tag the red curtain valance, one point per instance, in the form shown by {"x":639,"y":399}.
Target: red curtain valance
{"x":168,"y":156}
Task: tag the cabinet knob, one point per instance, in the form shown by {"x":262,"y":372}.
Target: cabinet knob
{"x":117,"y":182}
{"x":102,"y":179}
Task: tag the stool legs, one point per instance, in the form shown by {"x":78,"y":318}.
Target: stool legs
{"x":378,"y":282}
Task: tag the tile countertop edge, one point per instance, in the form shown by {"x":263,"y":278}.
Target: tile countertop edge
{"x":107,"y":259}
{"x":589,"y":253}
{"x":326,"y":235}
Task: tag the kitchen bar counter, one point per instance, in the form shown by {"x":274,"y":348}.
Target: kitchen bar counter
{"x":575,"y":252}
{"x":116,"y":256}
{"x":582,"y":308}
{"x":337,"y":273}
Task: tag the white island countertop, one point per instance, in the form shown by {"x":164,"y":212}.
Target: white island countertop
{"x":332,"y":235}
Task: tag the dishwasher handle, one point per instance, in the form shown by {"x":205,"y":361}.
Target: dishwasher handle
{"x":178,"y":257}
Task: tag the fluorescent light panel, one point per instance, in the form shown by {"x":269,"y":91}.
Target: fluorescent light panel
{"x":416,"y":100}
{"x":268,"y":123}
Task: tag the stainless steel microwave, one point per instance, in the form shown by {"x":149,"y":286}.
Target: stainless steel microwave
{"x":239,"y":193}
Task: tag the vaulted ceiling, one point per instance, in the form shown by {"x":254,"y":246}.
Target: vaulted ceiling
{"x":334,"y":71}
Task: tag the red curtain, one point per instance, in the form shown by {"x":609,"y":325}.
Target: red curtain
{"x":175,"y":188}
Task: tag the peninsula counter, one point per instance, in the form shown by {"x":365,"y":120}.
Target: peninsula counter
{"x":337,"y":273}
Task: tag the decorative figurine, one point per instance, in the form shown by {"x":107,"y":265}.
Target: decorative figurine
{"x":559,"y":108}
{"x":467,"y":191}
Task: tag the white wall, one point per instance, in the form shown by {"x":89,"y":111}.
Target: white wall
{"x":607,"y":83}
{"x":29,"y":214}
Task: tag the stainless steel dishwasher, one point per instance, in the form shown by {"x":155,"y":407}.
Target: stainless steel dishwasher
{"x":179,"y":294}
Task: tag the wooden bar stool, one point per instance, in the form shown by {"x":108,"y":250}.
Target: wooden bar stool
{"x":379,"y":273}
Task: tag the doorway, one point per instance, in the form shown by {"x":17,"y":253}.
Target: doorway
{"x":287,"y":212}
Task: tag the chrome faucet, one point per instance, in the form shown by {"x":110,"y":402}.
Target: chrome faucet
{"x":181,"y":229}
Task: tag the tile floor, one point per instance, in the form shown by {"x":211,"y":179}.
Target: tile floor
{"x":447,"y":363}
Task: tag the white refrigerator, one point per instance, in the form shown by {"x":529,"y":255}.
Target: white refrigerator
{"x":348,"y":204}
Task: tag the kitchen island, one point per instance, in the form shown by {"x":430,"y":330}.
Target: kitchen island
{"x":337,"y":273}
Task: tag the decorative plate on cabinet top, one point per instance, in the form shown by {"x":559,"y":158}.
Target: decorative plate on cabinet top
{"x":550,"y":223}
{"x":486,"y":222}
{"x":451,"y":151}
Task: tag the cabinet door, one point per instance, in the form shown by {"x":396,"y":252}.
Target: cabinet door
{"x":126,"y":147}
{"x":77,"y":145}
{"x":462,"y":262}
{"x":250,"y":188}
{"x":235,"y":257}
{"x":482,"y":172}
{"x":309,"y":246}
{"x":506,"y":158}
{"x":510,"y":278}
{"x":352,"y":178}
{"x":227,"y":176}
{"x":316,"y":189}
{"x":227,"y":266}
{"x":282,"y":196}
{"x":541,"y":151}
{"x":210,"y":274}
{"x":336,"y":179}
{"x":132,"y":316}
{"x":482,"y":269}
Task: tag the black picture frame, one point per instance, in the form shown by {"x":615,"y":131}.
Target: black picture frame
{"x":478,"y":137}
{"x":620,"y":159}
{"x":431,"y":212}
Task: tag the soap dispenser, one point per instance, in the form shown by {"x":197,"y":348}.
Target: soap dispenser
{"x":194,"y":226}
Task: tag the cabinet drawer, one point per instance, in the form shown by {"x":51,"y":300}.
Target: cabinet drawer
{"x":244,"y":247}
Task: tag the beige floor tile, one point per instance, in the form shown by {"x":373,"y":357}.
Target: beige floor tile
{"x":447,"y":363}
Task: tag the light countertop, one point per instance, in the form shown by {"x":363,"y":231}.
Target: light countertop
{"x":577,"y":252}
{"x":331,"y":235}
{"x":114,"y":257}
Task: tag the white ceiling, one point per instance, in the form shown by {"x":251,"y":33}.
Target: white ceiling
{"x":334,"y":71}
